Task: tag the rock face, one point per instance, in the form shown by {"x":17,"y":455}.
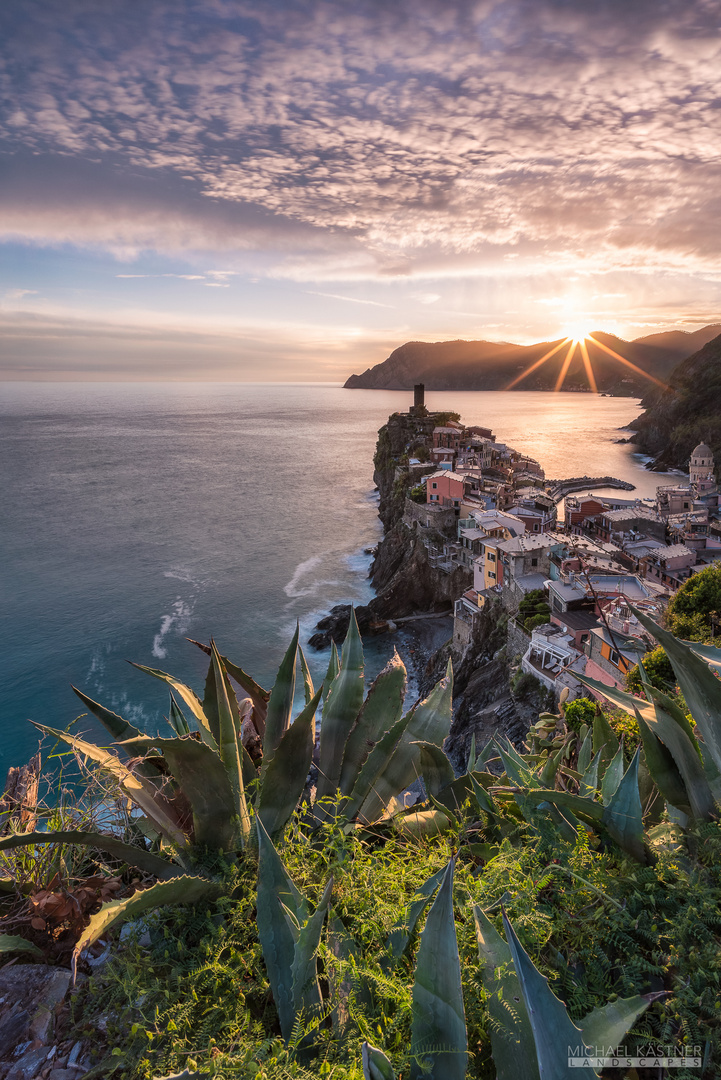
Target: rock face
{"x":491,"y":365}
{"x":688,"y":413}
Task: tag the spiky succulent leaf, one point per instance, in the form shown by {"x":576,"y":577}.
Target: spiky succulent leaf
{"x":607,"y":1025}
{"x":576,"y":803}
{"x":430,"y":721}
{"x":699,"y":686}
{"x":585,"y":753}
{"x":623,"y":817}
{"x":129,"y":853}
{"x":176,"y":718}
{"x":180,"y":890}
{"x":304,"y":969}
{"x":331,"y":673}
{"x":374,"y":766}
{"x":547,"y":775}
{"x":589,"y":780}
{"x":118,"y":728}
{"x":205,"y":784}
{"x":438,"y":1027}
{"x":482,"y":797}
{"x":553,"y":1029}
{"x":376,"y":1065}
{"x":308,"y":688}
{"x":229,"y":746}
{"x":603,"y":739}
{"x":280,"y":705}
{"x":380,"y":711}
{"x":150,"y":800}
{"x":514,"y":1049}
{"x":662,"y":767}
{"x":277,"y":891}
{"x":340,"y":711}
{"x":422,"y":823}
{"x":612,"y":776}
{"x":284,"y":778}
{"x":255,"y":692}
{"x":400,"y":936}
{"x":675,"y":736}
{"x":11,"y":943}
{"x":436,"y":769}
{"x":190,"y":698}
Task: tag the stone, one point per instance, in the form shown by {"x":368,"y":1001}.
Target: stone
{"x":50,"y":996}
{"x":64,"y":1074}
{"x":74,"y":1055}
{"x":29,"y":1064}
{"x":13,"y":1031}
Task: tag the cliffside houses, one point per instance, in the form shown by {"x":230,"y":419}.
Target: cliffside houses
{"x":488,"y":509}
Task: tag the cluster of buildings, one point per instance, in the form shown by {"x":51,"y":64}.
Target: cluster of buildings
{"x":489,"y":509}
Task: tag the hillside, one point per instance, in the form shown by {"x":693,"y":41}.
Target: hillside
{"x":491,"y":365}
{"x":688,"y":413}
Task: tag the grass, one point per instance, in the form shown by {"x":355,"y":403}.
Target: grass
{"x":597,"y":924}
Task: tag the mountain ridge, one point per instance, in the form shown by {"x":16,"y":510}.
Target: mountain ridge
{"x":491,"y":365}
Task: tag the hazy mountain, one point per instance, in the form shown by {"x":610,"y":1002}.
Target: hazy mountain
{"x":688,"y":413}
{"x":493,"y":365}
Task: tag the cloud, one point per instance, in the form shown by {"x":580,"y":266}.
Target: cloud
{"x":346,"y":142}
{"x":18,"y":294}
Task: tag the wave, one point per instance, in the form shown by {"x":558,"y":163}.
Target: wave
{"x":291,"y":589}
{"x":179,"y":621}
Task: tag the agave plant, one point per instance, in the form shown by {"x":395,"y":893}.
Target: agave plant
{"x":202,"y":790}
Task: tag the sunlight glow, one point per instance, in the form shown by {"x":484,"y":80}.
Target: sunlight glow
{"x":577,"y":330}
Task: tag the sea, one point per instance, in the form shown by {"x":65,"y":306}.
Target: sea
{"x":136,"y":516}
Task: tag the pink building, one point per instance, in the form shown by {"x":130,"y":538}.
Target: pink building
{"x":445,"y":488}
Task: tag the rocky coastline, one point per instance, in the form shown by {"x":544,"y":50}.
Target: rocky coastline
{"x":414,"y":600}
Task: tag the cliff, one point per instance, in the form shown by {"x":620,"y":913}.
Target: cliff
{"x":492,"y":365}
{"x":688,"y":413}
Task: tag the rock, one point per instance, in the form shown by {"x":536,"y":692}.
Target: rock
{"x":29,"y":1064}
{"x":334,"y":626}
{"x":65,"y":1074}
{"x":14,"y":1029}
{"x":33,"y":989}
{"x":74,"y":1056}
{"x":51,"y":995}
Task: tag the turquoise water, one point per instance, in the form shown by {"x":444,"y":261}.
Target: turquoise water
{"x":136,"y":515}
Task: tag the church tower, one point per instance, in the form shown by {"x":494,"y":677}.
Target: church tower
{"x":701,"y":465}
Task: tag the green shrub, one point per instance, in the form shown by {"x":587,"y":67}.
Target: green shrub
{"x":659,"y":670}
{"x":579,"y":712}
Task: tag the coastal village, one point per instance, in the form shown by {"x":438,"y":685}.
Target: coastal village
{"x":490,"y":519}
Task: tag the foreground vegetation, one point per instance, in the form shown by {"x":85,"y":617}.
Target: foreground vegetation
{"x":329,"y":931}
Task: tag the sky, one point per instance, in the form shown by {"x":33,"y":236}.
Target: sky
{"x":288,"y":189}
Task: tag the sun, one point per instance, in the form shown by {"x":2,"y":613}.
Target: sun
{"x":577,"y":330}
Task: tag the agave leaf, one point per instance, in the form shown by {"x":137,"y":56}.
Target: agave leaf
{"x":333,"y":668}
{"x":304,"y":969}
{"x":607,"y":1025}
{"x":12,"y":943}
{"x":129,"y":853}
{"x":699,"y":686}
{"x":151,"y":801}
{"x":374,"y":766}
{"x":662,"y":767}
{"x":380,"y":711}
{"x":118,"y":728}
{"x":419,"y":823}
{"x":436,"y":769}
{"x":553,"y":1030}
{"x":280,"y":704}
{"x":564,"y":821}
{"x":709,"y":653}
{"x":576,"y":803}
{"x":176,"y":719}
{"x":483,"y":798}
{"x":340,"y":711}
{"x":485,"y":755}
{"x":612,"y":776}
{"x":673,"y":734}
{"x":400,"y":936}
{"x":604,"y":739}
{"x":471,"y":763}
{"x":205,"y":783}
{"x":277,"y":891}
{"x":514,"y":1051}
{"x":589,"y":780}
{"x":517,"y":770}
{"x":585,"y":753}
{"x":430,"y":721}
{"x":547,"y":775}
{"x":623,"y":817}
{"x":284,"y":779}
{"x":438,"y":1030}
{"x":255,"y":692}
{"x":180,"y":890}
{"x":308,"y":688}
{"x":376,"y":1065}
{"x":190,"y":698}
{"x":210,"y":697}
{"x":229,"y":746}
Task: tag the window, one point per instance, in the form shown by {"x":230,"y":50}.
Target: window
{"x":491,"y":574}
{"x":534,"y":562}
{"x":491,"y":557}
{"x":535,"y":526}
{"x":434,"y":485}
{"x":614,"y":657}
{"x":434,"y":498}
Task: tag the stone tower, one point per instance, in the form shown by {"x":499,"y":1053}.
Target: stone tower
{"x":419,"y":406}
{"x":701,"y":465}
